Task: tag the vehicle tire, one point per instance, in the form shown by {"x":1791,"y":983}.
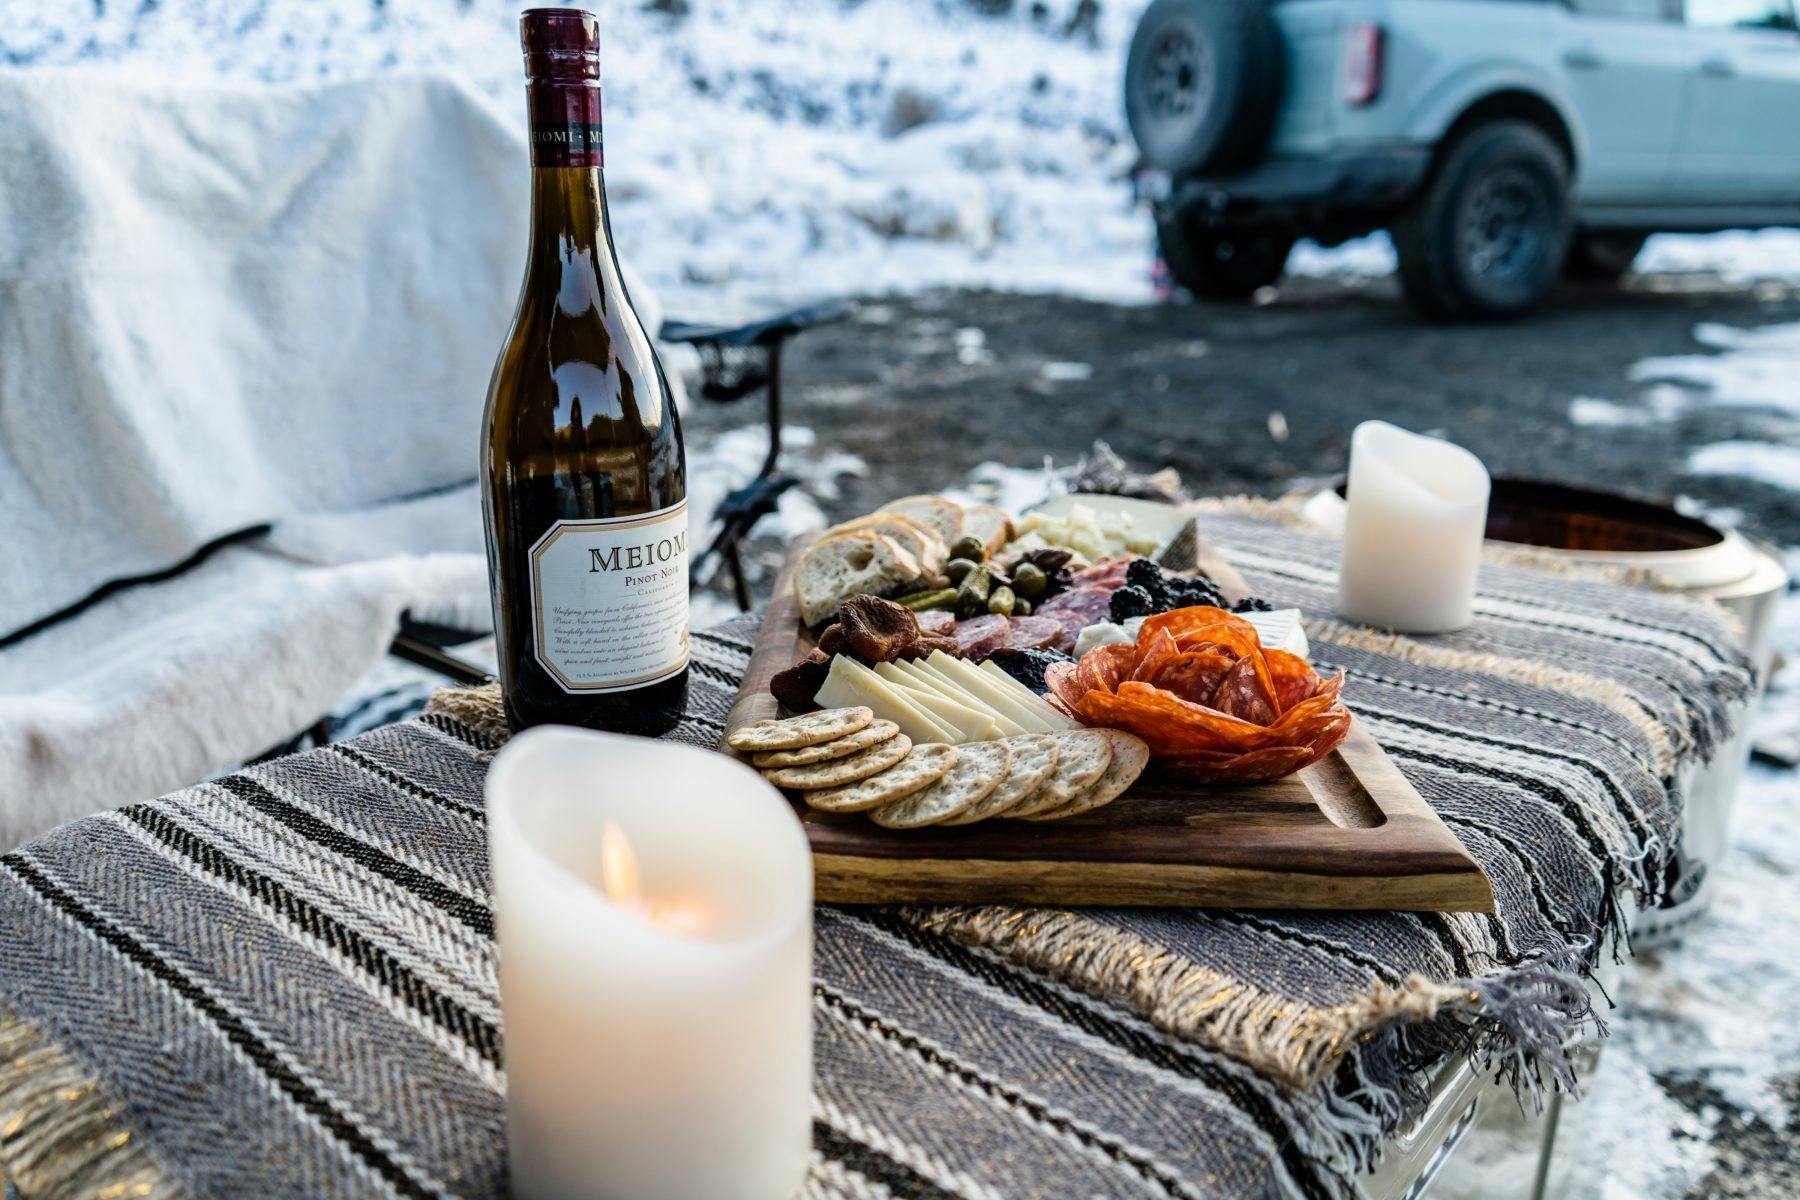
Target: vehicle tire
{"x":1487,"y":237}
{"x":1202,"y":82}
{"x":1224,"y":264}
{"x":1602,"y":257}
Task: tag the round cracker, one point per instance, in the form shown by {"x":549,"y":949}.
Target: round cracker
{"x":1082,"y":758}
{"x":1033,"y":759}
{"x":1130,"y":754}
{"x":980,"y":766}
{"x":840,"y":771}
{"x":872,"y":734}
{"x":919,"y":769}
{"x":809,"y":729}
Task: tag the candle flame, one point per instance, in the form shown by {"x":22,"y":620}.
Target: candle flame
{"x":618,"y":869}
{"x":619,"y":880}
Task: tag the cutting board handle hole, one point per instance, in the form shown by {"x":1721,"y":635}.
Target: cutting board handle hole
{"x":1341,"y":794}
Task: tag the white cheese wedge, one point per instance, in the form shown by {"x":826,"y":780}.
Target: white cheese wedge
{"x":969,"y":724}
{"x":1030,"y":699}
{"x":849,"y":684}
{"x":928,"y":675}
{"x":1279,"y":630}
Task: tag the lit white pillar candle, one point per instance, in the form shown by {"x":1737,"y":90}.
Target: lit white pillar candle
{"x":653,"y":905}
{"x":1413,"y":531}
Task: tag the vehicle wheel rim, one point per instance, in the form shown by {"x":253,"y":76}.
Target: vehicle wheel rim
{"x":1503,"y":230}
{"x":1178,"y":73}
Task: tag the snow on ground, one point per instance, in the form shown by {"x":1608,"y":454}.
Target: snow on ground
{"x":762,"y":152}
{"x":1715,"y":1016}
{"x":1707,"y":1032}
{"x":756,"y":150}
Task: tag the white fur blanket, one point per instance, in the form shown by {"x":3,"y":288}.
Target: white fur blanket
{"x":222,"y":308}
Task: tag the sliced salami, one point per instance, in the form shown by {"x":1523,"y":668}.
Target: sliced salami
{"x":1109,"y":572}
{"x":1034,"y":633}
{"x":936,"y":623}
{"x":979,"y":637}
{"x":1072,"y":624}
{"x":1088,"y":602}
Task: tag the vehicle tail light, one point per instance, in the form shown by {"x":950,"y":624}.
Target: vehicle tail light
{"x":1364,"y":50}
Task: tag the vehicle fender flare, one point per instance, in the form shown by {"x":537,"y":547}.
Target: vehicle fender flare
{"x":1508,"y":88}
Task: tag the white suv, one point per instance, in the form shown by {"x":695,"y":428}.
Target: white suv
{"x":1502,"y":142}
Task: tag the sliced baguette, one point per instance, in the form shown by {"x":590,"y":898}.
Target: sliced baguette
{"x":945,"y":516}
{"x":917,"y":538}
{"x":988,"y":523}
{"x":837,"y":568}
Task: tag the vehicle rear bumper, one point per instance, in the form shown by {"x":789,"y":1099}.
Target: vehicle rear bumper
{"x":1372,"y":177}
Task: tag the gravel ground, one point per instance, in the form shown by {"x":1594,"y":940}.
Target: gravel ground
{"x":926,"y":389}
{"x":1697,"y":1093}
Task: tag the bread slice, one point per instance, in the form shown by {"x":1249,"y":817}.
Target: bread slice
{"x":836,"y":568}
{"x":945,"y":516}
{"x":988,"y":523}
{"x":917,"y":538}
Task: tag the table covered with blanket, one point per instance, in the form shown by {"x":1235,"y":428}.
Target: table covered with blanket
{"x":282,"y":982}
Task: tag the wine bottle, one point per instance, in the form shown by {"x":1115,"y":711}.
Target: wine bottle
{"x":583,"y":476}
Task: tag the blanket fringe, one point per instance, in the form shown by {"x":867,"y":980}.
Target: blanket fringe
{"x":61,"y":1136}
{"x":480,"y":708}
{"x":1380,"y":1052}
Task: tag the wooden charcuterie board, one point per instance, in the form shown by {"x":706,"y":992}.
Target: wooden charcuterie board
{"x":1347,"y":833}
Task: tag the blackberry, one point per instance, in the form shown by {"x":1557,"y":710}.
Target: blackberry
{"x":1252,"y":604}
{"x":1189,"y":593}
{"x":1143,"y":573}
{"x":1130,"y":601}
{"x":1028,"y":666}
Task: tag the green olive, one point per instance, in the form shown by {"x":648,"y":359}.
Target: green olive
{"x":1001,"y":601}
{"x":956,"y":568}
{"x":1029,"y":579}
{"x":970,"y":548}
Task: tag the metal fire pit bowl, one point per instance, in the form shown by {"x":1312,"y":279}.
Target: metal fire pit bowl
{"x":1682,"y":553}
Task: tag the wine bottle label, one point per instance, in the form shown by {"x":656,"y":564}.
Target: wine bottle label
{"x":609,"y":600}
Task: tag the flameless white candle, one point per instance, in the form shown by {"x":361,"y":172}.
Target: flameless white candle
{"x":1412,"y":534}
{"x":653,"y":905}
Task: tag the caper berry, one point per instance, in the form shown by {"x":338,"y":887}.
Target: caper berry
{"x":970,"y":548}
{"x":928,"y":599}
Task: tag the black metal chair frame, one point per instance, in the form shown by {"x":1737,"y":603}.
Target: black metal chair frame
{"x":743,"y":507}
{"x":430,"y":646}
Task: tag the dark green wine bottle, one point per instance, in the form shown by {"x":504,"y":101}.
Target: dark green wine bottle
{"x":583,"y":476}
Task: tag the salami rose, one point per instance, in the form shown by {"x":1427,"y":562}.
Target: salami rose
{"x":1212,"y":703}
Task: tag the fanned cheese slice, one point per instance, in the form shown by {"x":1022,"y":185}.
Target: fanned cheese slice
{"x":976,"y":683}
{"x":970,"y":724}
{"x":1033,"y":702}
{"x":929,"y":675}
{"x":849,"y":684}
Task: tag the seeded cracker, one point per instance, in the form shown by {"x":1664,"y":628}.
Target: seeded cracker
{"x":840,"y":771}
{"x":1129,"y":756}
{"x":979,"y":769}
{"x":1084,"y":756}
{"x":869,"y":735}
{"x":919,"y":769}
{"x":1033,"y":759}
{"x":795,"y":732}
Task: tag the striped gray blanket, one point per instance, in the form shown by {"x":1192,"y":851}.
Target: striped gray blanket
{"x":281,"y":982}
